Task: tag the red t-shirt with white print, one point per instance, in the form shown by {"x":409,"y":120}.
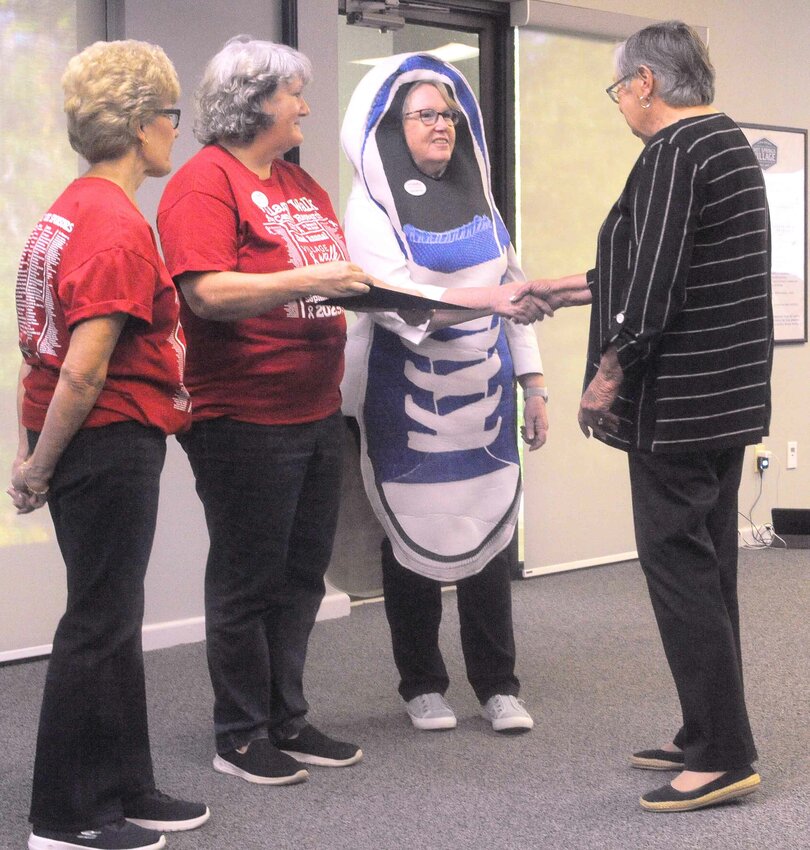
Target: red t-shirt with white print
{"x":285,"y":366}
{"x":91,"y":255}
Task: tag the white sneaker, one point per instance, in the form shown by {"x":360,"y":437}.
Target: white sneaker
{"x":507,"y":714}
{"x":431,"y":711}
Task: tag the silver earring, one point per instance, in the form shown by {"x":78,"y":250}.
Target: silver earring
{"x":646,"y":105}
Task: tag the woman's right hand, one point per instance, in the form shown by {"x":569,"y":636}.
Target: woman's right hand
{"x":554,"y":293}
{"x":506,"y":302}
{"x":338,"y":279}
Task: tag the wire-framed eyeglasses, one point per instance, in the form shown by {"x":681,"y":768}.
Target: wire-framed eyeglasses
{"x":172,"y":114}
{"x":430,"y":116}
{"x":612,"y":90}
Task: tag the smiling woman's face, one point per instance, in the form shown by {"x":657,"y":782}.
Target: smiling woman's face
{"x":430,"y":147}
{"x":288,"y":107}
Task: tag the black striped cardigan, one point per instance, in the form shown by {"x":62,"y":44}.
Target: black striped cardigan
{"x":681,"y":288}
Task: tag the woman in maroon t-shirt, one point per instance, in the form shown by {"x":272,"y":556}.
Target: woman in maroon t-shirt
{"x":253,"y":243}
{"x":101,"y":386}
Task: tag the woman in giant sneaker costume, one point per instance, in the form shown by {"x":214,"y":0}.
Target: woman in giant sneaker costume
{"x":435,"y":401}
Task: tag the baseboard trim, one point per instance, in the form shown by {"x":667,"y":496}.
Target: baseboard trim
{"x":531,"y":572}
{"x":173,"y":633}
{"x":606,"y":559}
{"x":191,"y":630}
{"x":26,"y":653}
{"x":335,"y":604}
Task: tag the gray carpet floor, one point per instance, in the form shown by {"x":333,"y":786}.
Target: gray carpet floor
{"x":594,"y":678}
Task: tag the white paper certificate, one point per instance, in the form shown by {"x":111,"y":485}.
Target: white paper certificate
{"x":781,"y":153}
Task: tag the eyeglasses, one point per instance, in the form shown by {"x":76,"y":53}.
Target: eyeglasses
{"x":613,"y":90}
{"x":430,"y":116}
{"x":172,"y":114}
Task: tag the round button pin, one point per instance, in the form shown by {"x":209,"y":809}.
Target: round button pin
{"x":415,"y":187}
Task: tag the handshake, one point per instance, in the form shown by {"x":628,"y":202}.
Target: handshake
{"x":533,"y":300}
{"x":523,"y":302}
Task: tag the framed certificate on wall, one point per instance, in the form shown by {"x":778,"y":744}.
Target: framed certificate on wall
{"x":782,"y":156}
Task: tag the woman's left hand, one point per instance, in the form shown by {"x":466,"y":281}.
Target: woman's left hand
{"x":26,"y":491}
{"x":594,"y":411}
{"x":534,"y":430}
{"x":595,"y":405}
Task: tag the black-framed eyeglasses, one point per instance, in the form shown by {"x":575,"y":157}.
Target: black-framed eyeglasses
{"x":613,"y":90}
{"x":430,"y":116}
{"x":172,"y":114}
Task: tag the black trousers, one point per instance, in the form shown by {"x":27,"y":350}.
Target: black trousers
{"x":413,"y":605}
{"x":685,"y":514}
{"x":93,"y":741}
{"x":270,"y":494}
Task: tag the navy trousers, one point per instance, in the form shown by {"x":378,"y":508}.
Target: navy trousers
{"x":685,"y":514}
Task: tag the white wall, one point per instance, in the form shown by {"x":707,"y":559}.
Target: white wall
{"x":757,"y":48}
{"x":190,"y":31}
{"x":759,"y":52}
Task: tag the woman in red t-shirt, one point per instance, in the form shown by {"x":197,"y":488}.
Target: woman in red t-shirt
{"x":252,"y":242}
{"x":101,"y":386}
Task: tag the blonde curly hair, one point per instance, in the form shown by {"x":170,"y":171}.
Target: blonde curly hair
{"x":112,"y":88}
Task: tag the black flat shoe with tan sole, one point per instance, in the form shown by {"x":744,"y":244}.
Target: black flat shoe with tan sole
{"x":730,"y":786}
{"x":657,"y":760}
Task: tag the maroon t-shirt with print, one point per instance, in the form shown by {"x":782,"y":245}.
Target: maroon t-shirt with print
{"x":284,"y":366}
{"x":91,"y":255}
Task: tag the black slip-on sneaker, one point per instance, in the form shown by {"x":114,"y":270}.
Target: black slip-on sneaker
{"x":120,"y":835}
{"x":311,"y":746}
{"x":157,"y":810}
{"x":261,"y":763}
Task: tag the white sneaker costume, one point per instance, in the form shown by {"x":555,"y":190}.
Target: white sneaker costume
{"x":436,"y":410}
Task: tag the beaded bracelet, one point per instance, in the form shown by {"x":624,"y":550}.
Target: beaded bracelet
{"x":30,"y":489}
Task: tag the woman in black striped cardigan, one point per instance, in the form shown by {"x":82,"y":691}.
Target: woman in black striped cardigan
{"x":678,"y":376}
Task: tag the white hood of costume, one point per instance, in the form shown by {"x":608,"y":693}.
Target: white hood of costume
{"x":436,"y":410}
{"x":446,"y":226}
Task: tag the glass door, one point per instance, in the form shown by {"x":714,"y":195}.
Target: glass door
{"x":36,"y":163}
{"x":470,"y":41}
{"x":476,"y":37}
{"x":575,"y":152}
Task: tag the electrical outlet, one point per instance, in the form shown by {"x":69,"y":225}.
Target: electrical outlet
{"x":792,"y":455}
{"x":762,"y":456}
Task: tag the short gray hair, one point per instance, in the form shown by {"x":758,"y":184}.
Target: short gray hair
{"x":673,"y":51}
{"x":235,"y":84}
{"x":441,"y":87}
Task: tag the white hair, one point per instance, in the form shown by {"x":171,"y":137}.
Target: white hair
{"x":673,"y":51}
{"x":237,"y":81}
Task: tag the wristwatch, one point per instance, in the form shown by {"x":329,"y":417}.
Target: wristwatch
{"x":530,"y":392}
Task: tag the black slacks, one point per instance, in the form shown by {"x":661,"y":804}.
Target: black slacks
{"x":413,"y":605}
{"x":264,"y":576}
{"x":685,"y":514}
{"x":93,"y":742}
